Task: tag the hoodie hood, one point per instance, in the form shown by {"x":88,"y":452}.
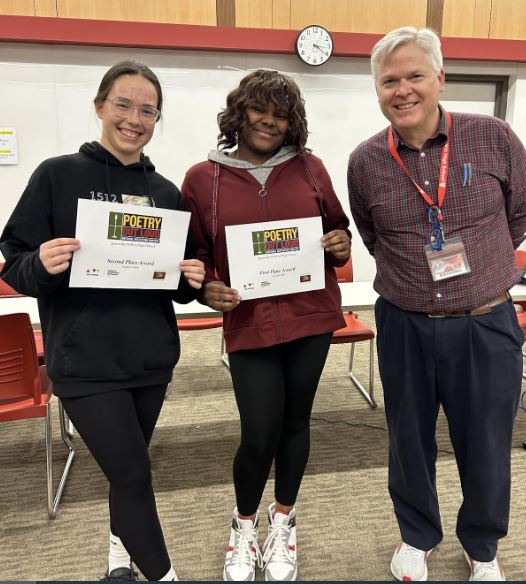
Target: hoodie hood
{"x":260,"y":172}
{"x":96,"y":151}
{"x":283,"y":154}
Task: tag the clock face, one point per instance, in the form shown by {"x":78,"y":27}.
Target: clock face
{"x":314,"y":45}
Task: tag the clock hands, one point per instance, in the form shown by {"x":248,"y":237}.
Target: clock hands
{"x":320,"y":49}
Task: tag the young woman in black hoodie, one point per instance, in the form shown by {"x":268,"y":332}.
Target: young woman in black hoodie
{"x":110,"y":353}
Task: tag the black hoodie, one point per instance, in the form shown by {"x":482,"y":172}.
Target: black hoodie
{"x":94,"y":339}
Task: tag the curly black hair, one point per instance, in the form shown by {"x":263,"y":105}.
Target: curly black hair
{"x":259,"y":88}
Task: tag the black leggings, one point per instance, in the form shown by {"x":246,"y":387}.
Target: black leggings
{"x":117,"y":427}
{"x":275,"y":389}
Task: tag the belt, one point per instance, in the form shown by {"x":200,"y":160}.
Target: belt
{"x":484,"y":309}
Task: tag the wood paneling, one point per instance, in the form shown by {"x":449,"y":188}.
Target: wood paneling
{"x":18,"y":7}
{"x":176,"y":11}
{"x":45,"y":8}
{"x":263,"y":13}
{"x":481,"y":21}
{"x":370,"y":16}
{"x":508,"y":19}
{"x":280,"y":13}
{"x":477,"y":19}
{"x":435,"y":9}
{"x":254,"y":14}
{"x":226,"y":12}
{"x":467,"y":18}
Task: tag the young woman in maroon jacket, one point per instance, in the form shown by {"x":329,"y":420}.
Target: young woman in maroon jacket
{"x":277,"y":346}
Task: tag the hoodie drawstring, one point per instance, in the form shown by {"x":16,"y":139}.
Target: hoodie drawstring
{"x":107,"y":175}
{"x":215,"y":193}
{"x":145,"y":174}
{"x":319,"y":195}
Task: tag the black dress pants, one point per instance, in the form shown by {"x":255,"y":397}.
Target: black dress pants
{"x":472,"y":366}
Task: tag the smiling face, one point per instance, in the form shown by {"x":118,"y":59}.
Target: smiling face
{"x":126,"y":137}
{"x":263,"y":134}
{"x":408,"y":91}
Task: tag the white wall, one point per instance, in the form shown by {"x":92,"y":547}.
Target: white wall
{"x":46,"y":93}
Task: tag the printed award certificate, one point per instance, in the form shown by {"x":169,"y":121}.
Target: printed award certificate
{"x":276,"y":257}
{"x":128,"y":246}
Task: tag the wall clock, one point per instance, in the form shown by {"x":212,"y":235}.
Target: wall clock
{"x":314,"y":45}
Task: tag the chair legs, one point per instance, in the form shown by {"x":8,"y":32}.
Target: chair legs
{"x":66,"y":431}
{"x":224,"y":355}
{"x":367,"y":395}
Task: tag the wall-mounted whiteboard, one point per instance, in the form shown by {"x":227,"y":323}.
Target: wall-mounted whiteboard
{"x":47,"y":92}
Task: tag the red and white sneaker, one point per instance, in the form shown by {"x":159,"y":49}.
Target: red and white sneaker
{"x":242,"y":554}
{"x":485,"y":571}
{"x":280,"y":555}
{"x":409,"y":563}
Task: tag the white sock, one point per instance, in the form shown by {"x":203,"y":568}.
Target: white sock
{"x":170,"y":575}
{"x":118,"y":557}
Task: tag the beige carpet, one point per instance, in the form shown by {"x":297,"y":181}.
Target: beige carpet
{"x":346,"y":527}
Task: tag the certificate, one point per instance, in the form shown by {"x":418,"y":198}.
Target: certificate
{"x":128,"y":246}
{"x":276,"y":257}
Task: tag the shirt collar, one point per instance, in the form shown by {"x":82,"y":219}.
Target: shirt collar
{"x":441,"y":135}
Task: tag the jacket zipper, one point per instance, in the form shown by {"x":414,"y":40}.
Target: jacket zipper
{"x":281,"y":338}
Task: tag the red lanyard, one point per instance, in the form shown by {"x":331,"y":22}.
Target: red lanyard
{"x":444,"y":166}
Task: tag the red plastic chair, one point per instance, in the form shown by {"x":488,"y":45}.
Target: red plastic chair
{"x":200,"y":324}
{"x":355,"y":331}
{"x":25,"y":392}
{"x":7,"y":292}
{"x":520,"y":262}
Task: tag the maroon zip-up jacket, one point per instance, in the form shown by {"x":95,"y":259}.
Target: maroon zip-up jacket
{"x":219,"y":195}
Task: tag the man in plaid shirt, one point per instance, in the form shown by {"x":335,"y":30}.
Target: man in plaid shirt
{"x":440,"y":202}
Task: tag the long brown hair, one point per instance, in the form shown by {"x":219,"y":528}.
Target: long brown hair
{"x":128,"y":68}
{"x":261,"y":87}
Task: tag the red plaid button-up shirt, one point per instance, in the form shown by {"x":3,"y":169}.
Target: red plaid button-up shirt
{"x":487,"y":211}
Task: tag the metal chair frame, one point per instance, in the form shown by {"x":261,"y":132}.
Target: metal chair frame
{"x":66,"y":433}
{"x":20,"y":368}
{"x":368,"y":395}
{"x":345,"y":274}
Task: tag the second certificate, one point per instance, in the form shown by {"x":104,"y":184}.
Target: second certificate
{"x":276,"y":257}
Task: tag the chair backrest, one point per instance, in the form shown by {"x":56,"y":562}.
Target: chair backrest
{"x":520,"y":258}
{"x":344,"y":274}
{"x":19,"y":370}
{"x":5,"y":289}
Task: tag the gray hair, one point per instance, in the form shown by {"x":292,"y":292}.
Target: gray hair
{"x":425,"y":38}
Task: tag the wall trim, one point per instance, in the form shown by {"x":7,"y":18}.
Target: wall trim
{"x":71,"y":31}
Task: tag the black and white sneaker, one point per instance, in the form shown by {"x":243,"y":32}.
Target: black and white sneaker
{"x":280,"y":556}
{"x":242,"y":554}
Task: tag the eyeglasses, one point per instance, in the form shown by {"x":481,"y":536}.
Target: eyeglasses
{"x":123,"y":108}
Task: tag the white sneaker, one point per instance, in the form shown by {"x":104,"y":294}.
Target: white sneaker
{"x":280,"y":556}
{"x":242,"y":553}
{"x":485,"y":571}
{"x":409,"y":563}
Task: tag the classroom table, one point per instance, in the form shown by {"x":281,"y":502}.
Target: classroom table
{"x":355,"y":296}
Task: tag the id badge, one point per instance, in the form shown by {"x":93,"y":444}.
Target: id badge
{"x":449,"y":262}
